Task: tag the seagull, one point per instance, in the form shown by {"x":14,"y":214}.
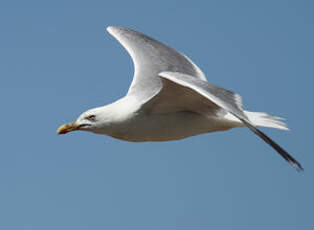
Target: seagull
{"x":170,"y":99}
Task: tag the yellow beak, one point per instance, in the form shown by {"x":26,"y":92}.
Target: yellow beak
{"x":63,"y":129}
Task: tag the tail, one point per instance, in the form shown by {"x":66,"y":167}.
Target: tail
{"x":266,"y":120}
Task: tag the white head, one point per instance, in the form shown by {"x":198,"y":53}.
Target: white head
{"x":108,"y":119}
{"x":93,"y":120}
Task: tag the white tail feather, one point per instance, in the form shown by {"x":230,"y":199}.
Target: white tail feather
{"x":266,"y":120}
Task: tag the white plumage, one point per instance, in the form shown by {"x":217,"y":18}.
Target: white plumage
{"x":170,"y":99}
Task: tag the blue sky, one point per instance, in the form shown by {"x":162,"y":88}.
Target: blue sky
{"x":57,"y":61}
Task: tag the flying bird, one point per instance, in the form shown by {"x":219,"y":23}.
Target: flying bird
{"x":170,"y":99}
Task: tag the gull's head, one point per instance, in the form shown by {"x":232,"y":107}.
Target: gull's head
{"x":91,"y":120}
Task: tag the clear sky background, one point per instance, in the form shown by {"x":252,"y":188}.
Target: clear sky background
{"x":56,"y":61}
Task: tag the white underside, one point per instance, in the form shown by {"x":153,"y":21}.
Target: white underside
{"x":165,"y":127}
{"x":142,"y":127}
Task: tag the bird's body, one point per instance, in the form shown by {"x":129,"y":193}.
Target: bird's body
{"x":170,"y":99}
{"x":140,"y":125}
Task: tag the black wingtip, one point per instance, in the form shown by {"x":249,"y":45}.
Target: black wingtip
{"x":297,"y":166}
{"x":293,"y":162}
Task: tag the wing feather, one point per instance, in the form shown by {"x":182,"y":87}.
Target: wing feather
{"x":228,"y":101}
{"x":151,"y":57}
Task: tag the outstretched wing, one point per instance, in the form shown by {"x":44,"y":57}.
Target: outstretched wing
{"x":200,"y":92}
{"x":151,"y":57}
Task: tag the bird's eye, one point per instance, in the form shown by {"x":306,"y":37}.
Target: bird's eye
{"x":91,"y":117}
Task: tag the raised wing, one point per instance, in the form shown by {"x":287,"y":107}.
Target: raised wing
{"x":151,"y":57}
{"x":216,"y":98}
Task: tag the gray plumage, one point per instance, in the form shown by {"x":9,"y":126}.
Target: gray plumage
{"x":170,"y":99}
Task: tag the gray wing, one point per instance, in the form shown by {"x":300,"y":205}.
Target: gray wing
{"x":151,"y":57}
{"x":199,"y":94}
